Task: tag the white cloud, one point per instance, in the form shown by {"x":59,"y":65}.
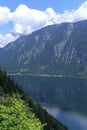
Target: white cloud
{"x":81,"y":12}
{"x":28,"y":19}
{"x":4,"y":39}
{"x":18,"y":29}
{"x":25,"y":20}
{"x":5,"y":15}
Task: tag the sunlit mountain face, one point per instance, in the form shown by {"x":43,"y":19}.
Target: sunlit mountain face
{"x":59,"y":49}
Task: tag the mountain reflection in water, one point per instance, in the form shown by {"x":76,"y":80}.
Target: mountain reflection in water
{"x":70,"y":92}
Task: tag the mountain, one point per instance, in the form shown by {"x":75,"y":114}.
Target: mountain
{"x":59,"y":49}
{"x":19,"y":111}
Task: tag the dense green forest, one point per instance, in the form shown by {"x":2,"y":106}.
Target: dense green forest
{"x":15,"y":115}
{"x":19,"y":112}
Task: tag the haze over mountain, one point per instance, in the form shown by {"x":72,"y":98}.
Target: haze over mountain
{"x":59,"y":49}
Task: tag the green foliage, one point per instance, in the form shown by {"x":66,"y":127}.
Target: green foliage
{"x":15,"y":115}
{"x":22,"y":111}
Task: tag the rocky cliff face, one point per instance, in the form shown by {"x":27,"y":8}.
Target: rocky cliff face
{"x":56,"y":49}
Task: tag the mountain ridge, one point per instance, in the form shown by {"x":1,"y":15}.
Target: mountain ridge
{"x":56,"y":49}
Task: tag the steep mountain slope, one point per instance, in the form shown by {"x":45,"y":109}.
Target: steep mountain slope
{"x":56,"y":49}
{"x":18,"y":111}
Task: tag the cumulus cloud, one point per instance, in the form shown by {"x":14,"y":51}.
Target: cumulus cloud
{"x":26,"y":20}
{"x":5,"y":15}
{"x":5,"y":39}
{"x":81,"y":12}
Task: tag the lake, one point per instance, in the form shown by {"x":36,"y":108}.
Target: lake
{"x":73,"y":120}
{"x":67,"y":96}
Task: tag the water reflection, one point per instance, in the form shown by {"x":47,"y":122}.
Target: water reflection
{"x":73,"y":120}
{"x":70,"y":92}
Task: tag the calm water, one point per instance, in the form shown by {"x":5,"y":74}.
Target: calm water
{"x":73,"y":120}
{"x":68,"y":94}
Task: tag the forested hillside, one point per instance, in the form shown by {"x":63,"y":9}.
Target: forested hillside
{"x":19,"y":112}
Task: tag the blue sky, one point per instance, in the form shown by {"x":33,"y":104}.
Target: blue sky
{"x":57,"y":5}
{"x":24,"y":16}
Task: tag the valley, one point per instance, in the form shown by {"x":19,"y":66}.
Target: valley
{"x":50,"y":65}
